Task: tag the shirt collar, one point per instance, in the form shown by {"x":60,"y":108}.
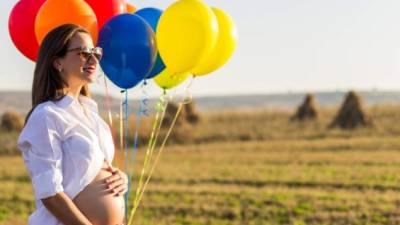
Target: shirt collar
{"x":68,"y":100}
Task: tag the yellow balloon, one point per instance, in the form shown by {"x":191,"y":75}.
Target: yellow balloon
{"x":187,"y":32}
{"x":167,"y":80}
{"x":223,"y":50}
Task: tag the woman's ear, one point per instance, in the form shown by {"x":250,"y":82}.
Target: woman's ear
{"x":57,"y":65}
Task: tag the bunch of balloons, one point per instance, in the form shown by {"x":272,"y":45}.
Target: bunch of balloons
{"x":188,"y":38}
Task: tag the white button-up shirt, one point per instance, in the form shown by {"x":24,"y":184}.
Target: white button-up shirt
{"x":63,"y":150}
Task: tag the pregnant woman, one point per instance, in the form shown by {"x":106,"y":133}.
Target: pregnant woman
{"x":66,"y":146}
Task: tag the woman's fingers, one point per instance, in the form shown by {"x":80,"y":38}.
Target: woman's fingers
{"x":113,"y":177}
{"x":121,"y":189}
{"x":115,"y":183}
{"x":123,"y":175}
{"x":118,"y":182}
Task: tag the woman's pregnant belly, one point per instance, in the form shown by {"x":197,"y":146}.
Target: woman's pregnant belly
{"x":99,"y":204}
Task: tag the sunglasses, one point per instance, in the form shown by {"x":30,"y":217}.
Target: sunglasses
{"x":86,"y":52}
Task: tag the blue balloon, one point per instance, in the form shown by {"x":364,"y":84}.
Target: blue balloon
{"x":152,"y":16}
{"x":129,"y":50}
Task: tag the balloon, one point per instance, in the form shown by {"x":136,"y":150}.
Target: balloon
{"x":129,"y":49}
{"x":186,"y":33}
{"x":55,"y":13}
{"x":226,"y":44}
{"x":167,"y":80}
{"x":152,"y":16}
{"x":21,"y":26}
{"x":106,"y":9}
{"x":130,"y":8}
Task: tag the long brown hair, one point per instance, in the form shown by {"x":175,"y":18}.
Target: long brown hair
{"x":48,"y":83}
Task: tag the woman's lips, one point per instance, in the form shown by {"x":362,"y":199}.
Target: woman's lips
{"x":89,"y":70}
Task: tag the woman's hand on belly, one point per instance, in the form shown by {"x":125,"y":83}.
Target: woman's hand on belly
{"x":118,"y":181}
{"x":109,"y":209}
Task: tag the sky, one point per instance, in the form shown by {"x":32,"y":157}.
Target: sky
{"x":284,"y":46}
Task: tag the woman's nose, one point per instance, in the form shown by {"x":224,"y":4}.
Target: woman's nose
{"x":92,"y":60}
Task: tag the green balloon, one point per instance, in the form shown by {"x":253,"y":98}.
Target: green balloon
{"x":167,"y":80}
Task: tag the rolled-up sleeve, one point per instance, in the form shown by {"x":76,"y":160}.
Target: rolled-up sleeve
{"x":40,"y":144}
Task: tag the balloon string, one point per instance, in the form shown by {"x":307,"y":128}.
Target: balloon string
{"x":142,"y":110}
{"x":124,"y":137}
{"x":121,"y":132}
{"x":161,"y":107}
{"x":110,"y":120}
{"x":187,"y":92}
{"x":121,"y":135}
{"x":108,"y":105}
{"x":155,"y":162}
{"x":186,"y":100}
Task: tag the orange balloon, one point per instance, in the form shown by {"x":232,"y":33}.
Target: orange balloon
{"x":54,"y":13}
{"x":130,"y":8}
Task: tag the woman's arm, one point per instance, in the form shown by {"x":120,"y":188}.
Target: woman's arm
{"x":40,"y":142}
{"x":64,"y":209}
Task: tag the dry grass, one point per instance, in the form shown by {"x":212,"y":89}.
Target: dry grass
{"x":255,"y":167}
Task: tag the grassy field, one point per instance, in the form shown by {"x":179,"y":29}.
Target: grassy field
{"x":255,"y":167}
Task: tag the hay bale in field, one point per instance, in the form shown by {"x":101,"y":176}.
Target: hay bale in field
{"x":170,"y":113}
{"x":308,"y":110}
{"x":11,"y":121}
{"x":191,"y":115}
{"x":182,"y":131}
{"x":188,"y":114}
{"x":352,"y":113}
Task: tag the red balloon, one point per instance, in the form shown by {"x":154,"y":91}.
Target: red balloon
{"x":106,"y":9}
{"x":21,"y":26}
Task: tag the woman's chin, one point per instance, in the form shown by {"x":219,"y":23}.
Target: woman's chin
{"x":89,"y":77}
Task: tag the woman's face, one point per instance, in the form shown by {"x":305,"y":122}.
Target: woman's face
{"x":76,"y":69}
